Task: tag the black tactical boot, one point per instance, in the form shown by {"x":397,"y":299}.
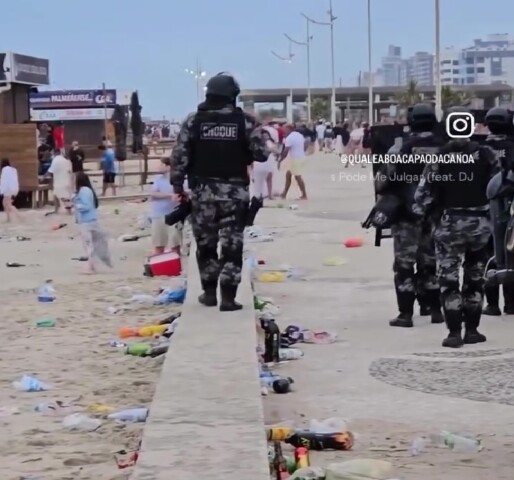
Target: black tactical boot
{"x":508,"y":299}
{"x":453,"y":320}
{"x":434,"y":303}
{"x":424,"y":310}
{"x":492,"y":295}
{"x":228,"y":299}
{"x":472,"y":321}
{"x":208,"y":297}
{"x":406,"y":306}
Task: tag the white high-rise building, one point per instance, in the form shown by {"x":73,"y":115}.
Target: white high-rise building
{"x":486,"y":62}
{"x":420,"y":67}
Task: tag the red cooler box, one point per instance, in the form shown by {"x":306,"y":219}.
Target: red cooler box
{"x":163,"y":265}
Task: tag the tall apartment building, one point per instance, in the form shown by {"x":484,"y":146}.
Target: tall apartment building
{"x":487,"y":61}
{"x":420,"y":67}
{"x":393,"y":67}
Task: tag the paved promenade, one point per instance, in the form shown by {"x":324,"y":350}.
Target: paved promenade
{"x":393,"y":385}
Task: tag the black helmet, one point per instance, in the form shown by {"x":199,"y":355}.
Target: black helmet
{"x":223,"y":85}
{"x":421,"y":117}
{"x":457,"y":109}
{"x":498,"y":116}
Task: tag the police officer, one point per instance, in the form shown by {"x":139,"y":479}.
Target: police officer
{"x":456,"y":187}
{"x":413,"y":244}
{"x":499,"y":122}
{"x":214,"y":148}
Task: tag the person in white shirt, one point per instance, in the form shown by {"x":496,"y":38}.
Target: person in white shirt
{"x":320,"y":134}
{"x":294,"y":151}
{"x":356,"y":137}
{"x":262,"y":172}
{"x":61,"y":171}
{"x":9,"y":188}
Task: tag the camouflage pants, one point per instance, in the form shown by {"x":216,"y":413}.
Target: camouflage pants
{"x":462,"y":241}
{"x":414,"y":248}
{"x":219,"y":216}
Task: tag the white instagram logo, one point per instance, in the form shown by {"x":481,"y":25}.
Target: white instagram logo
{"x":460,"y":125}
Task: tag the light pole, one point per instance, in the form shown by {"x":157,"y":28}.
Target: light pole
{"x":307,"y":45}
{"x":330,"y":24}
{"x":198,"y":74}
{"x":289,"y":60}
{"x":437,"y":72}
{"x":371,"y":117}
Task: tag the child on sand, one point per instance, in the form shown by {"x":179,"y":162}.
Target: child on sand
{"x":93,"y":237}
{"x":9,"y":188}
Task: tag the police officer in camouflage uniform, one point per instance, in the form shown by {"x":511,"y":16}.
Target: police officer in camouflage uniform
{"x":413,"y":244}
{"x":457,"y":190}
{"x":214,"y":148}
{"x":499,"y":122}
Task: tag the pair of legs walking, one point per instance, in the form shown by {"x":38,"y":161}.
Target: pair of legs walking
{"x":219,"y":222}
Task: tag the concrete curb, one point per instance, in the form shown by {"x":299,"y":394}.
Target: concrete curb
{"x":206,"y":419}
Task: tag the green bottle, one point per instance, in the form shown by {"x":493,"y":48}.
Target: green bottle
{"x":138,"y":349}
{"x":46,"y":322}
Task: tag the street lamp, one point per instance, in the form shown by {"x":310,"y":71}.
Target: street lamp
{"x":371,"y":117}
{"x":306,"y":44}
{"x":437,"y":73}
{"x":289,"y":60}
{"x":330,"y":24}
{"x":199,"y":75}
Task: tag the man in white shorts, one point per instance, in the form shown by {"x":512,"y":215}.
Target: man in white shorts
{"x":294,"y":151}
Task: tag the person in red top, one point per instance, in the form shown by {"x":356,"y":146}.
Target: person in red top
{"x":58,"y":136}
{"x":281,"y":133}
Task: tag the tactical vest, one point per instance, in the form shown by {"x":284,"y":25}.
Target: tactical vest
{"x":410,"y":173}
{"x":463,"y":185}
{"x":219,"y":146}
{"x":503,"y":148}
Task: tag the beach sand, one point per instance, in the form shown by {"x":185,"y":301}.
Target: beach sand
{"x":74,"y":357}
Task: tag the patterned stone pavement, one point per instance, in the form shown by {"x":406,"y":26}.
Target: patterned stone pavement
{"x":482,"y":375}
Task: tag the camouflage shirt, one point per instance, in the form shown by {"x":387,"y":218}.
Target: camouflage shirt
{"x":181,"y":154}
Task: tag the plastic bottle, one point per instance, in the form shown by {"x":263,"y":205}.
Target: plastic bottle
{"x":130,"y":415}
{"x":46,"y":293}
{"x":78,"y":421}
{"x":138,"y":349}
{"x":278,"y":433}
{"x":30,"y":384}
{"x":310,"y":336}
{"x":271,"y":340}
{"x":301,"y":456}
{"x":321,"y":441}
{"x":290,"y":354}
{"x":455,"y":442}
{"x":279,"y":463}
{"x":157,"y":351}
{"x":278,"y":383}
{"x":151,"y":330}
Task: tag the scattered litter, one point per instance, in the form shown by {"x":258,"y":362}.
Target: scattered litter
{"x":46,"y":293}
{"x":147,"y":331}
{"x":59,"y":226}
{"x":294,"y":334}
{"x":278,"y":383}
{"x":354,"y":242}
{"x":272,"y":277}
{"x":334,"y":262}
{"x":309,"y":473}
{"x":130,"y":415}
{"x":458,"y":443}
{"x":80,"y":422}
{"x":15,"y":264}
{"x":30,"y":384}
{"x":293,"y":207}
{"x":287,"y":354}
{"x":100,"y":409}
{"x":131,"y":238}
{"x":138,"y":349}
{"x":56,"y":408}
{"x":168,"y":320}
{"x":129,"y":458}
{"x":80,"y":259}
{"x":117,"y":344}
{"x":45,"y":323}
{"x":21,"y":238}
{"x":170,"y":296}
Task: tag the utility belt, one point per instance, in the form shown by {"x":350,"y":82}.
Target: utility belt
{"x":202,"y":181}
{"x":460,"y":212}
